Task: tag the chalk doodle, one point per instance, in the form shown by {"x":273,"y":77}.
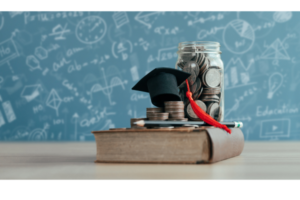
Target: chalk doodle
{"x":9,"y":112}
{"x":2,"y":121}
{"x":202,"y":20}
{"x":236,"y":73}
{"x":238,"y":36}
{"x":142,"y":43}
{"x":75,"y":117}
{"x":161,"y":30}
{"x":54,"y":101}
{"x":1,"y":21}
{"x":204,"y":33}
{"x":275,"y":128}
{"x":134,"y":73}
{"x":275,"y":81}
{"x":39,"y":134}
{"x":13,"y":14}
{"x":120,"y":19}
{"x":166,"y":54}
{"x":30,"y":92}
{"x":8,"y":51}
{"x":108,"y":88}
{"x":33,"y":63}
{"x":123,"y":48}
{"x":91,"y":29}
{"x":147,"y":18}
{"x":281,"y":17}
{"x":58,"y":31}
{"x":41,"y":53}
{"x":276,"y":51}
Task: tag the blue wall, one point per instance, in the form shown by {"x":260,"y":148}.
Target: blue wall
{"x":64,"y":74}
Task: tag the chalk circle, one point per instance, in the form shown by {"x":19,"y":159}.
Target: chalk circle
{"x":37,"y":135}
{"x":282,"y":17}
{"x":238,"y":36}
{"x":90,"y":29}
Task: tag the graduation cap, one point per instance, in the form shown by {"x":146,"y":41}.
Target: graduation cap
{"x":162,"y":84}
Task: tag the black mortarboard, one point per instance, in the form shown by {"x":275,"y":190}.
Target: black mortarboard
{"x":162,"y":84}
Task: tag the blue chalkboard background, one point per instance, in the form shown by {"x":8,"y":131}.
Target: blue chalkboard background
{"x":64,"y":74}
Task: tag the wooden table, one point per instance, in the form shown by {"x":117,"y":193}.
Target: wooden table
{"x":259,"y":160}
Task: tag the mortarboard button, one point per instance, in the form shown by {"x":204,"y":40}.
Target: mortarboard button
{"x":162,"y":84}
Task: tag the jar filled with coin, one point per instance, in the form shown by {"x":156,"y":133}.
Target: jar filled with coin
{"x":203,"y":61}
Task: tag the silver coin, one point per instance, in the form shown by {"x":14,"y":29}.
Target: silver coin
{"x":217,"y":113}
{"x":211,"y":109}
{"x":204,"y":66}
{"x":190,"y":111}
{"x":197,"y":94}
{"x":190,"y":69}
{"x":212,"y":77}
{"x":195,"y":87}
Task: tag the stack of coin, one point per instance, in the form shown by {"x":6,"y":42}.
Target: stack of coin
{"x":205,"y":83}
{"x":175,"y":110}
{"x":157,"y":114}
{"x":134,"y":126}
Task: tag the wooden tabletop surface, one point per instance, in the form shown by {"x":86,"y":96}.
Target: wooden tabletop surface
{"x":259,"y":160}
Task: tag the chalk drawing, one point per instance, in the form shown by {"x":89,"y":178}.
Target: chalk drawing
{"x":75,"y":117}
{"x":202,"y":20}
{"x":238,"y":36}
{"x":204,"y":33}
{"x":63,"y":62}
{"x":95,"y":119}
{"x":54,"y":101}
{"x":2,"y":121}
{"x":161,"y":30}
{"x":1,"y":79}
{"x":120,"y":19}
{"x":166,"y":53}
{"x":142,"y":43}
{"x":90,"y":29}
{"x":134,"y":73}
{"x":1,"y":21}
{"x":236,"y":73}
{"x":9,"y":112}
{"x":124,"y":48}
{"x":39,"y":134}
{"x":276,"y":51}
{"x":237,"y":101}
{"x":33,"y":63}
{"x":274,"y":128}
{"x":282,"y":17}
{"x":30,"y":92}
{"x":41,"y":53}
{"x":8,"y":51}
{"x":58,"y":31}
{"x":275,"y":81}
{"x":147,"y":18}
{"x":0,"y":98}
{"x":13,"y":14}
{"x":108,"y":89}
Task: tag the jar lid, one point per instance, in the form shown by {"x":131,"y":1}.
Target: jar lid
{"x":199,"y":47}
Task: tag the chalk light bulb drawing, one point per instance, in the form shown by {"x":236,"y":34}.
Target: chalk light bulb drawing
{"x":275,"y":82}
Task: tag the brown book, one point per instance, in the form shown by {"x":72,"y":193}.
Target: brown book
{"x":200,"y":145}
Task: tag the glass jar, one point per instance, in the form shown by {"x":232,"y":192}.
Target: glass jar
{"x":203,"y":60}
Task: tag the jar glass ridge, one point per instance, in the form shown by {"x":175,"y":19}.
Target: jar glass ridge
{"x":203,"y":60}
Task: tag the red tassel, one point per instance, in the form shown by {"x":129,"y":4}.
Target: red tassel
{"x":201,"y":114}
